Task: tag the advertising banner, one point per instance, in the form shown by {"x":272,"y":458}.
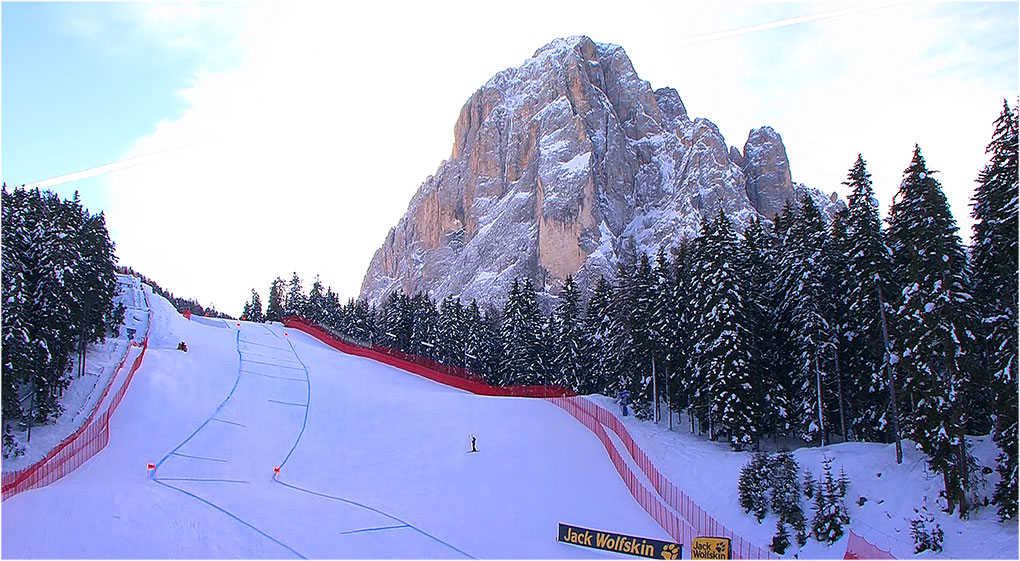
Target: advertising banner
{"x":710,"y":548}
{"x":620,"y":543}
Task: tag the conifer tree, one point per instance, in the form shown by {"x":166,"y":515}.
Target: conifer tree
{"x":313,"y":305}
{"x":604,"y":360}
{"x":830,"y":511}
{"x":274,"y":310}
{"x":757,"y":253}
{"x":995,"y":290}
{"x":785,"y":496}
{"x":724,"y":340}
{"x":868,"y":283}
{"x":255,"y":308}
{"x":521,"y":329}
{"x":478,"y":342}
{"x":569,"y":340}
{"x":936,"y":317}
{"x":362,"y":321}
{"x":637,"y":302}
{"x":804,"y":308}
{"x":294,"y":301}
{"x":666,"y":316}
{"x":753,"y":486}
{"x":424,"y":326}
{"x":452,"y":332}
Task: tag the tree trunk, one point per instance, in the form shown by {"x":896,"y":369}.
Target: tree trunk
{"x":839,"y":384}
{"x":821,"y":413}
{"x":892,"y":378}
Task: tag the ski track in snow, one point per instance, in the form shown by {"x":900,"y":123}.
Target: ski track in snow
{"x":283,"y":362}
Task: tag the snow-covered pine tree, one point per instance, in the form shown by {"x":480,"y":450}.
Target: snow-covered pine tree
{"x":868,"y":274}
{"x":681,"y":341}
{"x":569,"y":339}
{"x":994,"y":259}
{"x":294,"y":301}
{"x":452,"y":332}
{"x":521,"y":329}
{"x":804,"y":308}
{"x":313,"y":305}
{"x":830,"y":511}
{"x":936,"y":318}
{"x":55,"y":304}
{"x":637,"y":300}
{"x":476,"y":339}
{"x":725,"y":341}
{"x":757,"y":252}
{"x":834,"y":279}
{"x":781,"y":540}
{"x":274,"y":309}
{"x":785,"y":493}
{"x":100,"y":278}
{"x":602,"y":353}
{"x":492,"y":344}
{"x":331,"y":304}
{"x":696,"y":380}
{"x":363,"y":321}
{"x":425,"y":326}
{"x":15,"y":329}
{"x":753,"y":486}
{"x":666,"y":312}
{"x":255,"y":313}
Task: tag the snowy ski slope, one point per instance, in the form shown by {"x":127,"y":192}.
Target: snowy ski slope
{"x":373,"y":463}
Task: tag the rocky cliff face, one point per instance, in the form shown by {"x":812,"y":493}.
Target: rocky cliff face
{"x":566,"y":165}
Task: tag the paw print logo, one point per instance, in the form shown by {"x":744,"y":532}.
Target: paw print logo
{"x":720,"y":547}
{"x":670,"y":551}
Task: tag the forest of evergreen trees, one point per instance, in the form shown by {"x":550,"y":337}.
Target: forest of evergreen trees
{"x":821,"y":330}
{"x":59,"y":285}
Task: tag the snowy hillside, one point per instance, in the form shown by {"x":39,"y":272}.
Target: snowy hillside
{"x":374,"y":464}
{"x":80,"y":398}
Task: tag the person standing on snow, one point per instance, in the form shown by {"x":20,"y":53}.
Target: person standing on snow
{"x":624,"y":397}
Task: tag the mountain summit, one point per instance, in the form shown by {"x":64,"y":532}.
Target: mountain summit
{"x":569,"y":164}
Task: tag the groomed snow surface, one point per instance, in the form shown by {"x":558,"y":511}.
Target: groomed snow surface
{"x":374,"y":464}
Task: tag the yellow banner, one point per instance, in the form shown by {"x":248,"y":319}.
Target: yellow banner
{"x":710,"y":548}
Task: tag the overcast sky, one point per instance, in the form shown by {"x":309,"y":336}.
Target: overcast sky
{"x":251,"y":140}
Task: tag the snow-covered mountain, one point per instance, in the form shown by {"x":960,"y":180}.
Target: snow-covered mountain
{"x":566,"y":165}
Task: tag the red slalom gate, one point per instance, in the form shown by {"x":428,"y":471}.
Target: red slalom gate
{"x":79,"y":446}
{"x":682,"y":519}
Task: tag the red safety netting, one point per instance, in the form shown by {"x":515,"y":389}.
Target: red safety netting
{"x":454,"y":376}
{"x":79,"y":446}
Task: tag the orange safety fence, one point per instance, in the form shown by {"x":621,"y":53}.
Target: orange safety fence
{"x":82,"y":444}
